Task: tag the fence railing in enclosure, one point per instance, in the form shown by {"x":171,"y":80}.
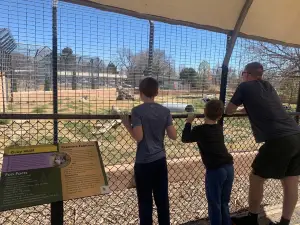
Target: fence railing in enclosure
{"x":186,"y":172}
{"x":61,"y":65}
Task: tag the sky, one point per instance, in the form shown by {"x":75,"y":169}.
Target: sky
{"x":91,"y":32}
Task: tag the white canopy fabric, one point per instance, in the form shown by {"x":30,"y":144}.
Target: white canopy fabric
{"x":275,"y":21}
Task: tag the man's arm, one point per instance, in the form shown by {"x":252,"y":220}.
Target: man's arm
{"x":230,"y":109}
{"x":242,"y":110}
{"x":235,"y":102}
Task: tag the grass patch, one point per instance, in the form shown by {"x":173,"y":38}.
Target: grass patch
{"x":5,"y":121}
{"x":110,"y":135}
{"x":198,"y":104}
{"x":64,"y":140}
{"x":179,"y":125}
{"x":229,"y":140}
{"x":71,"y":105}
{"x":238,"y":122}
{"x":103,"y":111}
{"x":46,"y":139}
{"x":84,"y":129}
{"x":39,"y":109}
{"x":21,"y":142}
{"x":63,"y":110}
{"x":10,"y":107}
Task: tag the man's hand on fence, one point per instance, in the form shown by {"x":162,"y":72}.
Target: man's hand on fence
{"x":241,"y":110}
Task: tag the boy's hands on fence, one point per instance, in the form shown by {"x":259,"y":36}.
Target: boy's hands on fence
{"x":125,"y":119}
{"x":190,"y":118}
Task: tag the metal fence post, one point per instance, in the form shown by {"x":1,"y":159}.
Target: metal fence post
{"x":224,"y":76}
{"x":231,"y":40}
{"x":298,"y":104}
{"x":57,"y":208}
{"x":223,"y":85}
{"x":151,"y":48}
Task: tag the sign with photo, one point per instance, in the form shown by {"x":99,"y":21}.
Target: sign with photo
{"x":35,"y":175}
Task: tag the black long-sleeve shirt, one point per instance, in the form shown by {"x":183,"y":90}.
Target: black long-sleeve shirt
{"x":210,"y":140}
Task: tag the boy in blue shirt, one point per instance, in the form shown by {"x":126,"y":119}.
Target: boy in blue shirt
{"x":148,"y":124}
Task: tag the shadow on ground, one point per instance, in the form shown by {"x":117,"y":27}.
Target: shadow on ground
{"x":264,"y":220}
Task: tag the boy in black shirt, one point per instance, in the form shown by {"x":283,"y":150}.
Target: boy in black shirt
{"x":217,"y":160}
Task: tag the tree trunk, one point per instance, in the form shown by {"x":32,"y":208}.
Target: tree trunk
{"x":74,"y":84}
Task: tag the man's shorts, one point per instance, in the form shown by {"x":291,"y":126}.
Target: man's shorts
{"x":278,"y":158}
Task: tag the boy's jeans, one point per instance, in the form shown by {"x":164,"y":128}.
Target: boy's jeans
{"x":152,"y":178}
{"x":218,"y":184}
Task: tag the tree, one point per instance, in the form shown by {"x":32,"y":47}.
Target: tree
{"x":74,"y":81}
{"x":136,"y":65}
{"x":67,"y":62}
{"x":232,"y":78}
{"x":189,"y":75}
{"x":203,"y":75}
{"x":14,"y":85}
{"x":288,"y":91}
{"x":282,"y":59}
{"x":281,"y":63}
{"x":111,"y":68}
{"x":91,"y":64}
{"x":47,"y":85}
{"x":99,"y":66}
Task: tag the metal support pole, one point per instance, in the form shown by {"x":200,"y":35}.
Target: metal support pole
{"x":57,"y":208}
{"x":298,"y":104}
{"x":231,"y":40}
{"x":151,"y":48}
{"x":223,"y":85}
{"x":2,"y":82}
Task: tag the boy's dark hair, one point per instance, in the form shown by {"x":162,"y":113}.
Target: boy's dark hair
{"x":149,"y":87}
{"x":255,"y":69}
{"x":214,"y":109}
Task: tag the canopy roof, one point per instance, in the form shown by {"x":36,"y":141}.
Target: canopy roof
{"x":275,"y":21}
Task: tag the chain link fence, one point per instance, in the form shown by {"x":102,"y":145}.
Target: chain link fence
{"x":101,"y":57}
{"x":186,"y":172}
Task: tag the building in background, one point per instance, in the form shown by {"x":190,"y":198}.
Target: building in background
{"x":7,"y":45}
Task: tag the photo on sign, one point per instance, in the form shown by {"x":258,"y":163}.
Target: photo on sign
{"x":60,"y":159}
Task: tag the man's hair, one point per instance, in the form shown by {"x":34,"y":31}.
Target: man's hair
{"x":149,"y":87}
{"x":255,"y":69}
{"x":214,"y":109}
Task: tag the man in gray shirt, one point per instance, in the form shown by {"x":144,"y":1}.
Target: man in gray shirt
{"x":279,"y":156}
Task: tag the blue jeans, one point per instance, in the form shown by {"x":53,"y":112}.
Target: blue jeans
{"x":218,"y":184}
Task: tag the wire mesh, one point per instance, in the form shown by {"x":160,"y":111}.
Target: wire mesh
{"x":281,"y":68}
{"x":186,"y":172}
{"x":101,"y":58}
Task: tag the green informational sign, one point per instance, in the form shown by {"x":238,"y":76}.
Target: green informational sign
{"x":35,"y":175}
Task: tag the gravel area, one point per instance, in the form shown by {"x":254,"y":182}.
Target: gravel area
{"x":187,"y":200}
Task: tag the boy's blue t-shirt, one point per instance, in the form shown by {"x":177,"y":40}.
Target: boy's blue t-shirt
{"x":154,"y":118}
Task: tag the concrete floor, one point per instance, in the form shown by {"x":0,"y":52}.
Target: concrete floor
{"x":274,"y":214}
{"x":269,"y":213}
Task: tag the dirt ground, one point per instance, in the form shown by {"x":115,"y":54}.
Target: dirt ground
{"x":187,"y":203}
